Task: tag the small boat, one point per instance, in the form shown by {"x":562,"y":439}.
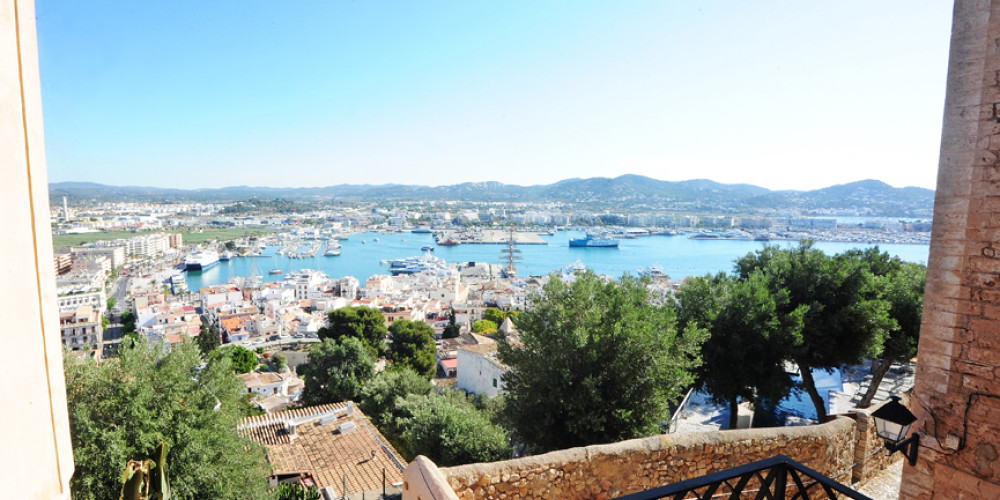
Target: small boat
{"x":448,"y":243}
{"x":275,"y":271}
{"x":427,"y":248}
{"x":363,"y":242}
{"x":376,"y":240}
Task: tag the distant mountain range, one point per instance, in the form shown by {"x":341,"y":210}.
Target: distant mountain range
{"x":633,"y":191}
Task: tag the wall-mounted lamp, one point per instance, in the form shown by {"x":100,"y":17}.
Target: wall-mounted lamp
{"x":892,"y":422}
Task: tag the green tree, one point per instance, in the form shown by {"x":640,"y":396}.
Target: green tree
{"x":124,"y":407}
{"x":336,"y":371}
{"x":111,"y":303}
{"x":484,"y":327}
{"x":243,"y":360}
{"x":449,"y":430}
{"x":902,"y":285}
{"x":128,"y":322}
{"x":744,"y":354}
{"x":452,"y":330}
{"x":208,"y":340}
{"x":413,"y":346}
{"x":495,"y":315}
{"x":363,"y":323}
{"x":844,"y":318}
{"x":379,"y":396}
{"x":281,"y":361}
{"x":596,"y":363}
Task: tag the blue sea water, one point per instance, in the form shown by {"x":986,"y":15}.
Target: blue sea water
{"x":679,"y":256}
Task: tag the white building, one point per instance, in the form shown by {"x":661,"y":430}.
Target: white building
{"x":479,"y":370}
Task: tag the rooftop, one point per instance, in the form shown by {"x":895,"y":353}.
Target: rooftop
{"x":322,"y":451}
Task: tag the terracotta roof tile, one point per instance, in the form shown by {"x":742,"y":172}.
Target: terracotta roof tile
{"x":322,"y":451}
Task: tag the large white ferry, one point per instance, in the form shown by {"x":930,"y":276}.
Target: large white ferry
{"x":201,"y":260}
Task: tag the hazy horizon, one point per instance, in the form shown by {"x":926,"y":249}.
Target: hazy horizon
{"x":263,"y":186}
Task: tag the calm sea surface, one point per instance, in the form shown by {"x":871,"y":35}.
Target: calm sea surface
{"x":679,"y":256}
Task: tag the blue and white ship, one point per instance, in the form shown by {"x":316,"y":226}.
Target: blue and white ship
{"x":591,"y":242}
{"x":201,"y":260}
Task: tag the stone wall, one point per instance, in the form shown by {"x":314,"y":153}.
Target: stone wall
{"x":956,"y":396}
{"x":611,"y":470}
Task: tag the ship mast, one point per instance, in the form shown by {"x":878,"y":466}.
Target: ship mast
{"x":512,"y":255}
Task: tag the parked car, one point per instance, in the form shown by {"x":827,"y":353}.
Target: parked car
{"x":273,"y":337}
{"x":300,"y":335}
{"x":312,"y":335}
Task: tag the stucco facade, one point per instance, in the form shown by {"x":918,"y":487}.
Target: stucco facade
{"x":36,"y":459}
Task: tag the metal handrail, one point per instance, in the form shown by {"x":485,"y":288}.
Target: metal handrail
{"x":775,"y":475}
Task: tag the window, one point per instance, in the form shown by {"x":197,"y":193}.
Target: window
{"x":494,"y":382}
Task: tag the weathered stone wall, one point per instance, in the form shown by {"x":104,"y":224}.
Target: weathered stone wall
{"x":957,"y":391}
{"x":611,"y":470}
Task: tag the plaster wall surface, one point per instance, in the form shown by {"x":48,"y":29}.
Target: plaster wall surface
{"x":957,"y":391}
{"x":36,"y":459}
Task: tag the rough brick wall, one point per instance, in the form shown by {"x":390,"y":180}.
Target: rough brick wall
{"x":611,"y":470}
{"x":957,"y":391}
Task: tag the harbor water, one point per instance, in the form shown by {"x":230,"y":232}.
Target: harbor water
{"x":678,"y":256}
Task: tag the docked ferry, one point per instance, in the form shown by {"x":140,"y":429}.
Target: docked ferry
{"x":201,"y":260}
{"x":591,"y":242}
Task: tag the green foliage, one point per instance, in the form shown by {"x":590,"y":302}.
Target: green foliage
{"x":452,"y":330}
{"x":124,"y":407}
{"x":744,"y":355}
{"x":230,"y":245}
{"x":413,"y":346}
{"x":336,"y":371}
{"x":484,"y":326}
{"x":495,"y":315}
{"x":449,"y":430}
{"x":243,"y":360}
{"x":379,"y":396}
{"x":902,"y":285}
{"x":208,"y":340}
{"x":111,"y":303}
{"x":597,"y":363}
{"x":280,"y":360}
{"x":294,"y":491}
{"x":363,"y":323}
{"x":128,"y":322}
{"x":844,"y":318}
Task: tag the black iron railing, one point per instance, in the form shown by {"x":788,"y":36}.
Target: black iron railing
{"x":774,"y":478}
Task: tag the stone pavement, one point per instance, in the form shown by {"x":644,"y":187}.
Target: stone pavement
{"x":885,"y":486}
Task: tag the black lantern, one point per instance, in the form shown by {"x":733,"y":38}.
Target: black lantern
{"x":892,"y":422}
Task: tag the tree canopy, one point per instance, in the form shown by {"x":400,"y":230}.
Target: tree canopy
{"x":452,"y":330}
{"x":363,"y":323}
{"x":242,"y":360}
{"x":596,"y":363}
{"x":449,"y":429}
{"x":379,"y":396}
{"x":124,"y":407}
{"x":412,"y":346}
{"x":902,"y":285}
{"x":208,"y":340}
{"x":484,"y":326}
{"x":336,"y":371}
{"x":844,"y":318}
{"x":743,"y":357}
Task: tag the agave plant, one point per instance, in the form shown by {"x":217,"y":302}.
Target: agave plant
{"x":147,"y":479}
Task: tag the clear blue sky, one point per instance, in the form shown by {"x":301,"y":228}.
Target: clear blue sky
{"x":795,"y":94}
